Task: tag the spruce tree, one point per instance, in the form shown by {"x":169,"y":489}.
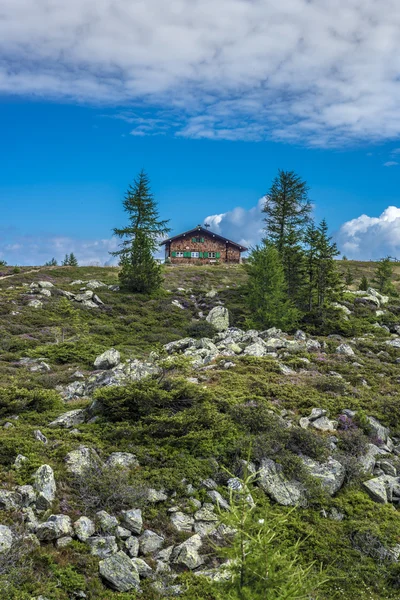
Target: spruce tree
{"x":383,"y":275}
{"x":139,"y":270}
{"x":267,"y":290}
{"x":364,"y":285}
{"x":328,"y":280}
{"x":72,"y":260}
{"x":65,"y":262}
{"x":51,"y":263}
{"x":348,"y":277}
{"x":311,"y":240}
{"x":287,"y":209}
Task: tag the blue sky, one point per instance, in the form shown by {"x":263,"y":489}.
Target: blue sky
{"x":210,"y":107}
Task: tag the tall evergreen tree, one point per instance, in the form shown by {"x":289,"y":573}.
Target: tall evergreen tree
{"x":267,"y":290}
{"x":140,"y":272}
{"x":348,"y":277}
{"x":364,"y":284}
{"x":73,"y":260}
{"x":311,"y":240}
{"x":383,"y":275}
{"x":328,"y":281}
{"x":287,"y":209}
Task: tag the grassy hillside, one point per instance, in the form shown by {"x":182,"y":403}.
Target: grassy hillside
{"x":189,"y":424}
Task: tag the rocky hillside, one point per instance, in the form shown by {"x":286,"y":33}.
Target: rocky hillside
{"x":129,"y":424}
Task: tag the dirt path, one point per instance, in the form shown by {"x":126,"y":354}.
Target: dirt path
{"x":20,"y":273}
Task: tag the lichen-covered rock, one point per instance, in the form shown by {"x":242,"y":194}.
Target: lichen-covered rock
{"x":45,"y":284}
{"x":6,"y":538}
{"x":187,"y":553}
{"x":45,"y":486}
{"x":106,"y":523}
{"x":155,"y":496}
{"x":109,"y":359}
{"x":284,"y":491}
{"x":64,"y":541}
{"x":102,"y":546}
{"x":70,"y":419}
{"x":330,"y":474}
{"x":9,"y":500}
{"x":124,"y":460}
{"x":181,"y":521}
{"x":345,"y":350}
{"x":324,"y":424}
{"x":218,"y":500}
{"x":150,"y":542}
{"x":380,"y":488}
{"x":55,"y":527}
{"x":39,"y":436}
{"x":119,"y":572}
{"x":132,"y":546}
{"x":143,"y":568}
{"x":19,"y":461}
{"x":219,"y":318}
{"x":84,"y":528}
{"x":27,"y":494}
{"x":35,"y":304}
{"x":80,"y":460}
{"x":132,"y":520}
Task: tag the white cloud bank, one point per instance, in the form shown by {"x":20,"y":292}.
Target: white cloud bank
{"x":240,"y":225}
{"x":320,"y":72}
{"x":371,"y":237}
{"x":36,"y":250}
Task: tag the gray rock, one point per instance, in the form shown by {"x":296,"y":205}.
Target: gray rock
{"x":324,"y":424}
{"x":35,"y":304}
{"x":132,"y":520}
{"x":106,"y":523}
{"x":179,"y":345}
{"x":93,"y":284}
{"x":187,"y":553}
{"x":45,"y":284}
{"x":80,"y":460}
{"x":345,"y":350}
{"x":39,"y":436}
{"x":219,"y":318}
{"x":132,"y":546}
{"x":84,"y":528}
{"x":55,"y":527}
{"x":9,"y":500}
{"x":150,"y":542}
{"x":102,"y":546}
{"x":45,"y":293}
{"x":143,"y":568}
{"x":155,"y":496}
{"x":367,"y":462}
{"x":89,"y":303}
{"x":278,"y":487}
{"x":70,"y":418}
{"x":257,"y":349}
{"x":64,"y":541}
{"x":379,"y":430}
{"x":85,"y":296}
{"x":6,"y":538}
{"x":45,"y":486}
{"x":330,"y":474}
{"x":122,"y":533}
{"x":19,"y":461}
{"x":27,"y":494}
{"x":394,"y":343}
{"x":182,"y":521}
{"x":218,"y":500}
{"x":125,"y":460}
{"x":386,"y":467}
{"x":109,"y":359}
{"x":119,"y":572}
{"x":380,"y":488}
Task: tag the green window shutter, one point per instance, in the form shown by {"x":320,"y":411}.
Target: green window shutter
{"x":194,"y":240}
{"x":173,"y":254}
{"x":200,"y":255}
{"x":202,"y":240}
{"x":186,"y":254}
{"x":217,"y":254}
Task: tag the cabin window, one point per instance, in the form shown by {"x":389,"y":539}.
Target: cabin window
{"x":211,"y":255}
{"x":179,"y":254}
{"x":194,"y":254}
{"x":197,"y":240}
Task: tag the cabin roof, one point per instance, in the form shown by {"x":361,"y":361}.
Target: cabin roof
{"x":200,"y":229}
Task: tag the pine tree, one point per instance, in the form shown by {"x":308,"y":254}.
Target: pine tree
{"x":364,"y":285}
{"x":348,"y":277}
{"x":139,"y":270}
{"x":287,"y":209}
{"x":383,"y":275}
{"x":267,"y":290}
{"x":51,"y":263}
{"x":328,"y":280}
{"x":311,"y":240}
{"x":65,"y":262}
{"x":72,"y":260}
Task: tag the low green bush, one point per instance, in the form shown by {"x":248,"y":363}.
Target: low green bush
{"x":14,"y":400}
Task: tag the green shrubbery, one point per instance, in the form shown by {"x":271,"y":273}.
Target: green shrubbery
{"x":81,"y":352}
{"x":14,"y":400}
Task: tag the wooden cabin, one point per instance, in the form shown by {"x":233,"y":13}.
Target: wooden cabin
{"x":201,"y":246}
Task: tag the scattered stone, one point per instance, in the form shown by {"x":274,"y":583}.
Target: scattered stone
{"x":124,"y":460}
{"x":39,"y":436}
{"x":324,"y":424}
{"x":6,"y":538}
{"x":119,"y":572}
{"x":70,"y":419}
{"x":187,"y":553}
{"x":64,"y":541}
{"x":109,"y":359}
{"x":331,"y":474}
{"x":84,"y":528}
{"x":27,"y":494}
{"x":106,"y":523}
{"x":345,"y":350}
{"x":35,"y":304}
{"x":155,"y":496}
{"x":132,"y":520}
{"x":45,"y":486}
{"x":278,"y":487}
{"x":9,"y":500}
{"x":19,"y":461}
{"x":219,"y":318}
{"x":80,"y":460}
{"x":379,"y":488}
{"x":102,"y":546}
{"x":218,"y":500}
{"x":132,"y":546}
{"x":150,"y":542}
{"x":55,"y":527}
{"x":182,"y":521}
{"x":45,"y":284}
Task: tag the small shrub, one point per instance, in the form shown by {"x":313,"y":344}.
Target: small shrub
{"x":201,"y":329}
{"x":15,"y":400}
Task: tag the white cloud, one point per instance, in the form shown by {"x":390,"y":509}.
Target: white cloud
{"x":371,"y":237}
{"x":320,"y":72}
{"x":240,"y":225}
{"x":36,"y":250}
{"x":390,"y":163}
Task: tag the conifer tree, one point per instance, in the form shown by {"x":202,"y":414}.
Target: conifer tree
{"x":348,"y":277}
{"x":72,"y":260}
{"x":51,"y":263}
{"x":364,"y":285}
{"x":287,"y":209}
{"x":311,"y":240}
{"x":65,"y":262}
{"x":383,"y":275}
{"x":139,"y":270}
{"x":267,"y":290}
{"x":328,"y":282}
